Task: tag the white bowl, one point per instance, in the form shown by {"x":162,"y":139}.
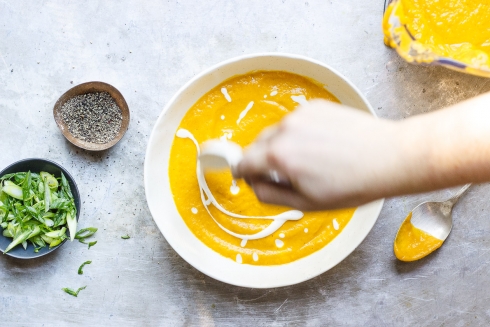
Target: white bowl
{"x":164,"y":211}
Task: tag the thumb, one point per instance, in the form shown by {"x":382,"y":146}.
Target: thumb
{"x":280,"y":194}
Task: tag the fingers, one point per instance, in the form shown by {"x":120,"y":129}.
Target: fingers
{"x":277,"y":194}
{"x":267,"y":134}
{"x":255,"y":162}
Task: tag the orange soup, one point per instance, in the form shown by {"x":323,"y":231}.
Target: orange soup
{"x":412,"y":243}
{"x":238,"y":110}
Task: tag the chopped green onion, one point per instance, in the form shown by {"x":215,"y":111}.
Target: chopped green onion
{"x":56,"y":233}
{"x":90,"y":244}
{"x":72,"y":292}
{"x":85,"y":232}
{"x":26,"y":186}
{"x":125,"y":237}
{"x":35,"y":208}
{"x":71,"y":221}
{"x":66,"y":187}
{"x":47,"y":239}
{"x":80,"y":270}
{"x":50,"y":179}
{"x":13,"y":190}
{"x":47,"y":195}
{"x":55,"y":242}
{"x":18,"y":240}
{"x":48,"y":222}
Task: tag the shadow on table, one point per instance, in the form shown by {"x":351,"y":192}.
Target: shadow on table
{"x":14,"y":265}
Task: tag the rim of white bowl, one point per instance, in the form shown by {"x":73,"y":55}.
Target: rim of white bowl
{"x":374,"y":206}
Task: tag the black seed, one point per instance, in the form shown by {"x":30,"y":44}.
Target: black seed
{"x":92,"y":117}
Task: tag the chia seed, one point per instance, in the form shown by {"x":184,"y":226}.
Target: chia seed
{"x":92,"y":117}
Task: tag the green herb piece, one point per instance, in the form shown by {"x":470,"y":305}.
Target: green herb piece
{"x":50,"y":180}
{"x":14,"y":191}
{"x":90,"y":244}
{"x":26,"y":186}
{"x":56,"y":233}
{"x":55,"y":242}
{"x":72,"y":292}
{"x":66,"y":187}
{"x":125,"y":237}
{"x":80,"y":270}
{"x":85,"y":232}
{"x":47,"y":195}
{"x":22,"y":236}
{"x":18,"y":240}
{"x":71,"y":221}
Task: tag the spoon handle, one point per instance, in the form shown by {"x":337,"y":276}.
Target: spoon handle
{"x":460,"y":192}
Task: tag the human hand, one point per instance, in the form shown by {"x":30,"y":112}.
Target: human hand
{"x":333,"y":156}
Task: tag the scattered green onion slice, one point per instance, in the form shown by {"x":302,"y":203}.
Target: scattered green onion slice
{"x":90,"y":244}
{"x":72,"y":292}
{"x":80,"y":270}
{"x":85,"y":232}
{"x":125,"y":237}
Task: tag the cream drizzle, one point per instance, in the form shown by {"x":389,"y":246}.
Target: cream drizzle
{"x":239,"y":258}
{"x":243,"y":243}
{"x":273,"y":93}
{"x":225,"y":93}
{"x":234,"y":189}
{"x":255,"y":256}
{"x":301,"y":99}
{"x":244,"y":112}
{"x":335,"y":224}
{"x":274,"y":103}
{"x":208,"y":198}
{"x":279,"y":243}
{"x":226,"y":136}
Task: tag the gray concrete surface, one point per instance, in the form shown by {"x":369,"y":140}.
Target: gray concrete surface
{"x":148,"y":49}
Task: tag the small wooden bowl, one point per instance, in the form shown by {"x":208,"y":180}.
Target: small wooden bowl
{"x":92,"y":87}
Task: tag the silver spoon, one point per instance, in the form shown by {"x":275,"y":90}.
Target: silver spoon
{"x":435,"y":218}
{"x":218,"y":154}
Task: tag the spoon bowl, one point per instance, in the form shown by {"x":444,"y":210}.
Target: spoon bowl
{"x":219,"y":154}
{"x":425,"y":229}
{"x":435,"y":218}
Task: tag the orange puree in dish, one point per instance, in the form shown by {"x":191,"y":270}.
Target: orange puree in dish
{"x":456,"y":29}
{"x":227,"y":111}
{"x":412,"y":243}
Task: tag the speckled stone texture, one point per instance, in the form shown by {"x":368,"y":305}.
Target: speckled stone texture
{"x":149,"y":49}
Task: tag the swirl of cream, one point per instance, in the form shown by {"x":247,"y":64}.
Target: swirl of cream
{"x":208,"y":198}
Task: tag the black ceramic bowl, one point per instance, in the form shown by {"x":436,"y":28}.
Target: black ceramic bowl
{"x":36,"y":166}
